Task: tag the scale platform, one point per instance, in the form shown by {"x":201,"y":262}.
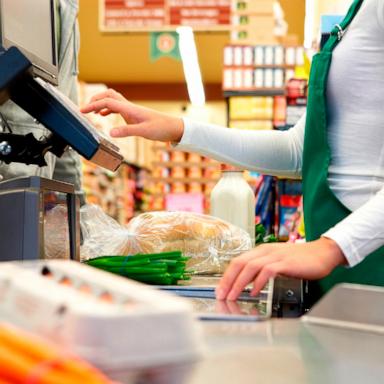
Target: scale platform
{"x":279,"y":298}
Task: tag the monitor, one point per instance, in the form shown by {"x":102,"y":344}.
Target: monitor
{"x":30,"y":25}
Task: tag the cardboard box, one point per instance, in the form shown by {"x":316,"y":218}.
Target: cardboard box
{"x":248,"y":37}
{"x":254,"y":6}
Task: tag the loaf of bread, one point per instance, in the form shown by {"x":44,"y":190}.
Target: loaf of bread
{"x":210,"y":242}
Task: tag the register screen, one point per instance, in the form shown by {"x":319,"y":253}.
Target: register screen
{"x":19,"y":26}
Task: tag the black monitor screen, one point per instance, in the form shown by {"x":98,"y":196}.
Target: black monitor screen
{"x":30,"y":26}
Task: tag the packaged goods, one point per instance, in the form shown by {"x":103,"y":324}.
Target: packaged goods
{"x":209,"y":242}
{"x":248,"y":55}
{"x":116,"y":324}
{"x":102,"y":235}
{"x":195,"y":172}
{"x":178,"y":187}
{"x":228,"y":55}
{"x":178,"y":172}
{"x":178,"y":156}
{"x":195,"y":187}
{"x":194,"y":158}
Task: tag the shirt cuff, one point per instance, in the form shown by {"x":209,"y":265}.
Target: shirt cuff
{"x":350,"y":252}
{"x":186,"y":139}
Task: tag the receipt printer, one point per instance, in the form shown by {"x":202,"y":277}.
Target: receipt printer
{"x":39,"y":219}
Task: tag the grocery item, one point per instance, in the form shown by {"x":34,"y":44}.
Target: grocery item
{"x":113,"y":322}
{"x":209,"y":242}
{"x":166,"y":268}
{"x":195,"y":187}
{"x":178,"y":187}
{"x":195,"y":172}
{"x":178,"y":172}
{"x":233,"y":200}
{"x":178,"y":156}
{"x":26,"y":358}
{"x":194,"y":158}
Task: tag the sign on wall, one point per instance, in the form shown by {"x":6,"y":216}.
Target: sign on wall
{"x":157,"y":15}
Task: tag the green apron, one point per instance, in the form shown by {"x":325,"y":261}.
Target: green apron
{"x":322,"y":209}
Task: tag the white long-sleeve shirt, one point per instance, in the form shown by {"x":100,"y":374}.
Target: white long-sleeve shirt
{"x":355,"y":101}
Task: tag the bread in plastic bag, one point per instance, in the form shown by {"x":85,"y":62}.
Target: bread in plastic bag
{"x":104,"y":236}
{"x":210,"y":242}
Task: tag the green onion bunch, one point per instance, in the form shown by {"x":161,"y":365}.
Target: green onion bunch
{"x":167,"y":268}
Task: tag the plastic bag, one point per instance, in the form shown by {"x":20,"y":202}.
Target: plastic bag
{"x":210,"y":242}
{"x":103,"y":236}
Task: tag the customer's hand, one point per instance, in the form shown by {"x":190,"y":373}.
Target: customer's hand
{"x":312,"y":260}
{"x":140,"y":121}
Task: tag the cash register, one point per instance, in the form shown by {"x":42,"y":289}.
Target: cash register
{"x":28,"y":75}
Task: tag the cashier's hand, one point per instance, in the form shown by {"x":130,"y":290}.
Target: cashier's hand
{"x":312,"y":260}
{"x":140,"y":121}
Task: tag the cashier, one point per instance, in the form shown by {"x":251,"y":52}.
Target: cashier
{"x":337,"y":148}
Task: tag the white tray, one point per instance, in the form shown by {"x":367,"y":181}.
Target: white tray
{"x":111,"y":321}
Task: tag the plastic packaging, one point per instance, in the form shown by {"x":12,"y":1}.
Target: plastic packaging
{"x":102,"y":235}
{"x":233,"y":200}
{"x":114,"y":323}
{"x":210,"y":242}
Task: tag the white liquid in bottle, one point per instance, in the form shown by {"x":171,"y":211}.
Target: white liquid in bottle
{"x":233,"y":200}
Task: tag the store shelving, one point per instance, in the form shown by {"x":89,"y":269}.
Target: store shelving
{"x":170,"y":164}
{"x":255,"y":92}
{"x":178,"y":173}
{"x":266,"y":107}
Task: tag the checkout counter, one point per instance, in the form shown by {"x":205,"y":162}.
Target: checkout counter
{"x":339,"y":341}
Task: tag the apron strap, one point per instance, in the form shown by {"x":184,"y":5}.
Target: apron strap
{"x":339,"y":29}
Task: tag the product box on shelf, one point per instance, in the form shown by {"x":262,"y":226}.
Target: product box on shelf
{"x":260,"y":67}
{"x":252,"y":6}
{"x":250,"y":107}
{"x":254,"y":125}
{"x":181,"y":179}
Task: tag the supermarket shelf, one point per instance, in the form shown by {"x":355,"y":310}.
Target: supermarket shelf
{"x":163,"y":194}
{"x":253,"y":118}
{"x":170,"y":180}
{"x":256,"y":92}
{"x":185,"y":164}
{"x":164,"y":148}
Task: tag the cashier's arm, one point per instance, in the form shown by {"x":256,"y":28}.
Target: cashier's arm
{"x":140,"y":121}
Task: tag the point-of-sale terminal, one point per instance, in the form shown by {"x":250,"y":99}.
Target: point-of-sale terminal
{"x":28,"y":75}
